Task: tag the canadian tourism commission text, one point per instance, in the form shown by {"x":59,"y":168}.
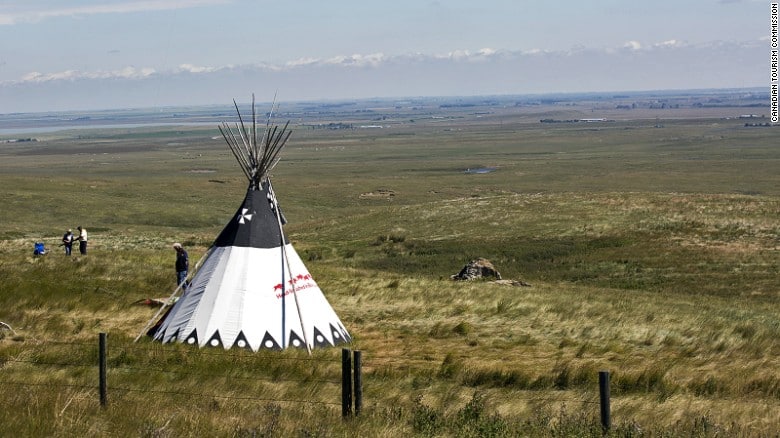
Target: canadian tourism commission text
{"x":773,"y":62}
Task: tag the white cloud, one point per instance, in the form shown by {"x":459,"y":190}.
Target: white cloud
{"x":491,"y":57}
{"x":301,"y":62}
{"x":633,"y":45}
{"x":72,"y":75}
{"x":33,"y":12}
{"x":356,"y":60}
{"x":683,"y":66}
{"x":669,"y":43}
{"x":468,"y":56}
{"x":196,"y":69}
{"x":456,"y":54}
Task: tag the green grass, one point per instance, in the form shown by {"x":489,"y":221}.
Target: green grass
{"x":651,"y":252}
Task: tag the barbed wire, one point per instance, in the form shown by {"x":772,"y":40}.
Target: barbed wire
{"x":68,"y":343}
{"x":62,"y":364}
{"x":526,"y":399}
{"x":189,"y":394}
{"x":48,"y":384}
{"x":230,"y":397}
{"x":369,"y":359}
{"x":378,"y":357}
{"x":228,"y":376}
{"x":366,"y":363}
{"x":424,"y":362}
{"x":155,"y":347}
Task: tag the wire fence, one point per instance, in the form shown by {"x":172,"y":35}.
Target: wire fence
{"x":263,"y":377}
{"x":139,"y":369}
{"x":128,"y":370}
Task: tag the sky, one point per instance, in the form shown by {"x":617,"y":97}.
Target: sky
{"x":72,"y":55}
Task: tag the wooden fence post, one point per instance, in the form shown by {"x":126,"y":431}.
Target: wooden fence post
{"x":102,"y":369}
{"x":346,"y":382}
{"x":606,"y":421}
{"x":358,"y":383}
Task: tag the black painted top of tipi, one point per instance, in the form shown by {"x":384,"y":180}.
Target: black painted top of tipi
{"x":255,"y":223}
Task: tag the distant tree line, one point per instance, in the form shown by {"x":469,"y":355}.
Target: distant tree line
{"x":333,"y":126}
{"x":20,"y":140}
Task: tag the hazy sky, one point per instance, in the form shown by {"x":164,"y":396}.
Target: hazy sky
{"x":95,"y":54}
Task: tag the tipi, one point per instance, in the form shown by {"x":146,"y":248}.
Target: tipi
{"x":251,"y":289}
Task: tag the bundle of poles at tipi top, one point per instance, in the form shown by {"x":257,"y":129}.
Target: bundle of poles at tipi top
{"x":256,"y":158}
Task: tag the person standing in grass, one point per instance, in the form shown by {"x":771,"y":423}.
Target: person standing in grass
{"x":67,"y":241}
{"x":182,"y":265}
{"x":82,"y":240}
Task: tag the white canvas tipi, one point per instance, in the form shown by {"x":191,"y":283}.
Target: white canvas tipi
{"x":251,"y":289}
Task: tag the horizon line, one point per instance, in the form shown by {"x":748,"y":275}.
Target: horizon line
{"x":614,"y":93}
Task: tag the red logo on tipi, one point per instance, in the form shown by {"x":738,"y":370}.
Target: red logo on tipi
{"x":295,"y":283}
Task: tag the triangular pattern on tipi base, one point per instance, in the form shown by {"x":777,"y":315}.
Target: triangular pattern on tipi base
{"x":215,"y":341}
{"x":241,"y":342}
{"x":296,"y":341}
{"x":191,"y":339}
{"x":269,"y":343}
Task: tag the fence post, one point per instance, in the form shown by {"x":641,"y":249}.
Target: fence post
{"x":346,"y":382}
{"x":358,"y":383}
{"x":606,"y":421}
{"x":102,"y":369}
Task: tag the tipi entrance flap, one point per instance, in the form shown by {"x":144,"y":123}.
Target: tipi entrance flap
{"x":178,"y":323}
{"x":225,"y":315}
{"x":203,"y":293}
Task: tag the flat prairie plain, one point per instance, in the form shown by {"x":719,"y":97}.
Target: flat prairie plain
{"x":645,"y":224}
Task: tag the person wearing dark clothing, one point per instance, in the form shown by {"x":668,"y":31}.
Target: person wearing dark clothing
{"x":182,"y":265}
{"x":67,"y":242}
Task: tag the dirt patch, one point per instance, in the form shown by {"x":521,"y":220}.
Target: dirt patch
{"x":378,"y":194}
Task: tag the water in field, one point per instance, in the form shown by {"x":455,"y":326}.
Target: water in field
{"x":481,"y":170}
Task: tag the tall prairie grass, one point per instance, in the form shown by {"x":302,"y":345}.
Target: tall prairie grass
{"x":651,"y":253}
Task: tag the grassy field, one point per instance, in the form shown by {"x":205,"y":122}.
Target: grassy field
{"x":650,"y":241}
